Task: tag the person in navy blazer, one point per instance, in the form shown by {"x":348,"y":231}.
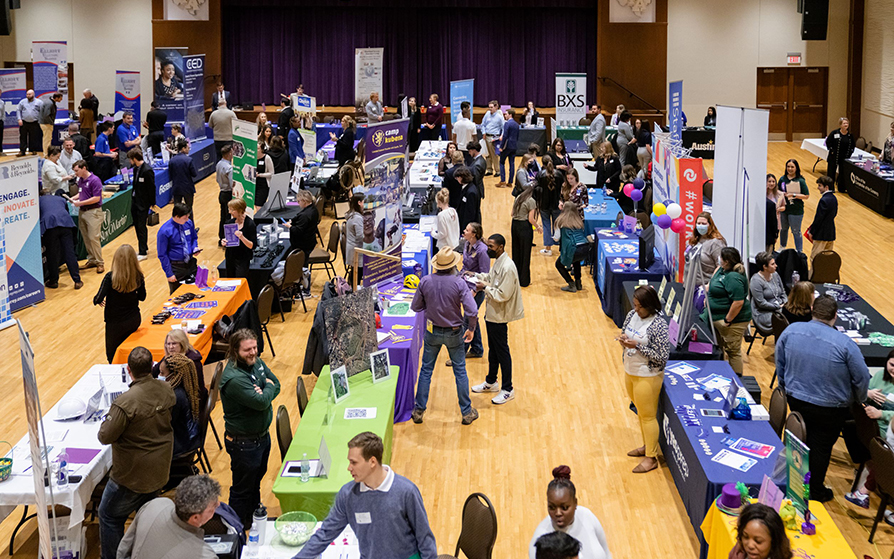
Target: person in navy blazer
{"x":823,"y":227}
{"x":215,"y":97}
{"x":508,"y":144}
{"x":183,"y":175}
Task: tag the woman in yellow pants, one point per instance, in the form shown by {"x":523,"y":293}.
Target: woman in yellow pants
{"x":646,"y":348}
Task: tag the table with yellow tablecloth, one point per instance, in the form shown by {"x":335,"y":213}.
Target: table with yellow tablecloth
{"x":152,"y":336}
{"x":719,"y":530}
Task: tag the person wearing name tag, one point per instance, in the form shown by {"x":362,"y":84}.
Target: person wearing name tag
{"x":143,"y":199}
{"x":384,"y":509}
{"x":840,"y":144}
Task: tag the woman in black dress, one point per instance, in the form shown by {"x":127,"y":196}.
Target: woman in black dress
{"x":415,"y":124}
{"x":238,"y":255}
{"x":264,"y":174}
{"x":344,"y":146}
{"x":120,"y":294}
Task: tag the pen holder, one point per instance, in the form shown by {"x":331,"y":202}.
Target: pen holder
{"x":5,"y":464}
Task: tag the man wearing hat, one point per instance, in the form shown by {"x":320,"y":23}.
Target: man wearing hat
{"x":445,"y":296}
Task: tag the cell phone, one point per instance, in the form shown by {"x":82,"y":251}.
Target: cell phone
{"x":713,"y":413}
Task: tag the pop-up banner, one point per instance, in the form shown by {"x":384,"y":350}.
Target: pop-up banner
{"x":675,"y":116}
{"x":571,"y":104}
{"x":194,"y":95}
{"x":245,"y":160}
{"x":12,"y":84}
{"x":127,"y":92}
{"x":21,"y":224}
{"x":460,"y":91}
{"x":50,"y":60}
{"x":367,"y":74}
{"x":168,"y":85}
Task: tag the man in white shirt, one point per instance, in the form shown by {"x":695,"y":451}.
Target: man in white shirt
{"x":69,"y":156}
{"x":163,"y":528}
{"x":464,"y":131}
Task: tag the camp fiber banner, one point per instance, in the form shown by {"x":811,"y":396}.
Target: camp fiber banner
{"x":50,"y":60}
{"x":571,"y":104}
{"x":245,"y":160}
{"x":21,"y":224}
{"x":127,"y":93}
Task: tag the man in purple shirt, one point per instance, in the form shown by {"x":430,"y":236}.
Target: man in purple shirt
{"x":90,"y":216}
{"x":444,"y":296}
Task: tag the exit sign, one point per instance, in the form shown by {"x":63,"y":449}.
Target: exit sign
{"x":794,"y":58}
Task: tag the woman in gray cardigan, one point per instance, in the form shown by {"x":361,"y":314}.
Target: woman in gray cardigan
{"x":767,"y":291}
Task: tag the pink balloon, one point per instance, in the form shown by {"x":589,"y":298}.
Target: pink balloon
{"x":628,"y":188}
{"x":678,"y":225}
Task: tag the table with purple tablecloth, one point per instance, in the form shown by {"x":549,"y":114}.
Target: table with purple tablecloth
{"x":403,"y":347}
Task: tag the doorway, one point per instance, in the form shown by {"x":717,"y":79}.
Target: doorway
{"x":797,"y":99}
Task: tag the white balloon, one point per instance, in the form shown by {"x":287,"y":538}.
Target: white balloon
{"x":674,"y":211}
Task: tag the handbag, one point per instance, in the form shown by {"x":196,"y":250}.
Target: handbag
{"x":152,"y":220}
{"x":808,"y":235}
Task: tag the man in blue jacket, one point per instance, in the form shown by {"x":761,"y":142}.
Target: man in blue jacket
{"x":296,"y":142}
{"x":508,"y":145}
{"x":57,"y":231}
{"x":177,"y":243}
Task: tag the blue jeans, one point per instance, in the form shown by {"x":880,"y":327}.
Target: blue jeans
{"x":116,"y":505}
{"x":456,"y":349}
{"x":793,"y":222}
{"x":503,"y":156}
{"x":548,"y":219}
{"x":248,"y":462}
{"x":475,"y":347}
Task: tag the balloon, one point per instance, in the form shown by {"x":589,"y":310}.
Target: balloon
{"x":674,"y":210}
{"x":628,"y":188}
{"x":678,"y":225}
{"x":636,"y":195}
{"x":664,"y":221}
{"x":659,"y":209}
{"x":639,"y":184}
{"x":653,"y":218}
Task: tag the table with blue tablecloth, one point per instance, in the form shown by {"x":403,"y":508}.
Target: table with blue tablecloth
{"x":617,"y":261}
{"x":203,"y":157}
{"x":329,"y":148}
{"x":598,"y":217}
{"x":686,"y":448}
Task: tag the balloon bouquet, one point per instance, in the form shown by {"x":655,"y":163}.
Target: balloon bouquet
{"x":667,"y":215}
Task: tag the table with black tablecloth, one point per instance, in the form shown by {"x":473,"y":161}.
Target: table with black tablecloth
{"x":698,"y":479}
{"x":259,"y":271}
{"x":617,"y":259}
{"x":875,"y":355}
{"x":868,"y":188}
{"x":684,"y":353}
{"x":700,"y":140}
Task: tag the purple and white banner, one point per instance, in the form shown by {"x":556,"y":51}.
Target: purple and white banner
{"x":127,"y":93}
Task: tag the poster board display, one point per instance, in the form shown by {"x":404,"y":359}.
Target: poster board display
{"x":367,"y":74}
{"x":385,"y":165}
{"x":50,"y":59}
{"x":460,"y":91}
{"x":21,"y":223}
{"x":194,"y":96}
{"x":167,"y":87}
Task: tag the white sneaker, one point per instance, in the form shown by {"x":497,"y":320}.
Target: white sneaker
{"x":504,"y":396}
{"x":142,"y":257}
{"x":485,"y":387}
{"x":546,"y":252}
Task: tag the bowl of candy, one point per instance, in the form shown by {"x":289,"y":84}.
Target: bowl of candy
{"x":296,"y":527}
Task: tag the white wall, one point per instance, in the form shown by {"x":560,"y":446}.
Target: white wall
{"x":103,"y":36}
{"x":878,"y":71}
{"x":716,"y":47}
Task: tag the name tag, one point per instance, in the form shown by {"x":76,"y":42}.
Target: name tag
{"x":362,"y":518}
{"x":836,"y":136}
{"x":140,"y":179}
{"x":187,"y":232}
{"x":464,"y":199}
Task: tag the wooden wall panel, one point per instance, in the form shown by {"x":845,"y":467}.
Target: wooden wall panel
{"x":634,"y":55}
{"x":200,"y":37}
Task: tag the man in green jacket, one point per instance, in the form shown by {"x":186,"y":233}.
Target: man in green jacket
{"x":247,"y":387}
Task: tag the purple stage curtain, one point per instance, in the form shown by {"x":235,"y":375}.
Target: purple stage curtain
{"x":512,"y":52}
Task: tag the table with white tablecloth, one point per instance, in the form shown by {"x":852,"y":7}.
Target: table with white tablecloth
{"x":817,"y":146}
{"x":345,"y":546}
{"x":78,"y":438}
{"x":431,"y":150}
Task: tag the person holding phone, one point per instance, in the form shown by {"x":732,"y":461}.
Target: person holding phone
{"x":178,"y":244}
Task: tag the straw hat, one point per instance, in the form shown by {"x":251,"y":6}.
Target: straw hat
{"x":445,"y":259}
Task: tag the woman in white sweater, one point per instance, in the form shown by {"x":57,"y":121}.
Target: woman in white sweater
{"x":54,"y":175}
{"x":565,"y":516}
{"x":447,"y":234}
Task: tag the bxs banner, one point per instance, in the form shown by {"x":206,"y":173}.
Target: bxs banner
{"x":571,"y":104}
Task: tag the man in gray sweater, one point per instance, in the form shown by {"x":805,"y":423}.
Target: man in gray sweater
{"x":385,"y":510}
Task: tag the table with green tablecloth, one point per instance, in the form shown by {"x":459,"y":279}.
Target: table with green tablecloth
{"x":117,"y":218}
{"x":323,"y":418}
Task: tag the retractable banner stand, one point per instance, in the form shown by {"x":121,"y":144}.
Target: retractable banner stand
{"x":675,"y":114}
{"x":21,"y":224}
{"x":50,"y":59}
{"x":194,"y":95}
{"x":571,"y":104}
{"x":168,"y":85}
{"x":367,"y":74}
{"x":384,"y":173}
{"x":740,"y":168}
{"x":245,"y":161}
{"x":12,"y":85}
{"x":127,"y":93}
{"x":460,"y":91}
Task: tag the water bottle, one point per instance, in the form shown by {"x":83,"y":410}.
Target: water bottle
{"x":62,"y":472}
{"x":253,"y":541}
{"x":259,"y":519}
{"x":796,"y":277}
{"x":305,"y":469}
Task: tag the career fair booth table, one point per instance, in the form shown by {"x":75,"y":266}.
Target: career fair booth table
{"x":323,"y":130}
{"x":693,"y":443}
{"x":224,"y":298}
{"x":817,"y":146}
{"x":871,"y":331}
{"x":719,"y":530}
{"x":86,"y":456}
{"x":617,"y":261}
{"x":337,"y":424}
{"x":601,"y":212}
{"x":527,"y":135}
{"x":116,"y":218}
{"x":264,"y":261}
{"x":345,"y":546}
{"x":868,"y":182}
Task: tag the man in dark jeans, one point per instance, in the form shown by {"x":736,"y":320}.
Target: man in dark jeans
{"x":143,"y":199}
{"x":138,"y":426}
{"x":247,"y":388}
{"x":58,"y":233}
{"x":822,"y":373}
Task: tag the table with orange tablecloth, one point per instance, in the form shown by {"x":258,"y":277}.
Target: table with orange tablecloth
{"x":152,"y":336}
{"x":719,"y":530}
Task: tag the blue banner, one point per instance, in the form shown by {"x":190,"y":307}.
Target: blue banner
{"x":12,"y":84}
{"x":460,"y":91}
{"x":194,"y":95}
{"x":675,"y":110}
{"x":127,"y":93}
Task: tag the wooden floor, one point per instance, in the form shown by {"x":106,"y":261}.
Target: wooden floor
{"x":570,"y":406}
